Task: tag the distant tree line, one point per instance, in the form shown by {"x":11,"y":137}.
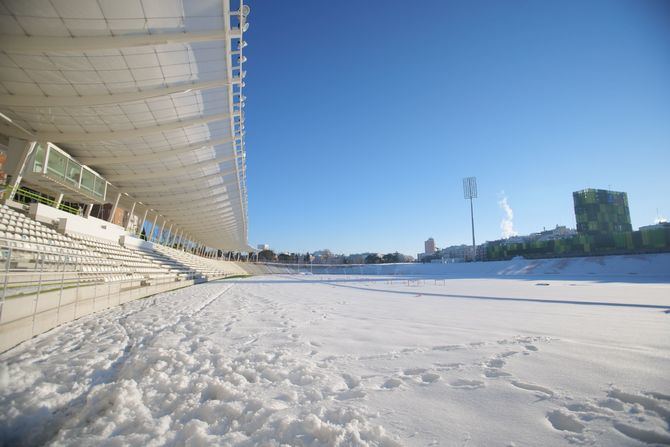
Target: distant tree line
{"x":329,"y":258}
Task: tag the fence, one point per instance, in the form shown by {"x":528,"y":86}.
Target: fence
{"x":44,"y":286}
{"x":25,"y":196}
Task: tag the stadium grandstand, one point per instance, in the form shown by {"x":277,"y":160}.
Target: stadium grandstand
{"x":122,"y":151}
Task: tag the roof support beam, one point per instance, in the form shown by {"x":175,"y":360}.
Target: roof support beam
{"x":214,"y":230}
{"x":193,"y":205}
{"x":187,"y":211}
{"x":167,"y":173}
{"x":235,"y":33}
{"x":69,"y":138}
{"x":191,"y":194}
{"x":215,"y":220}
{"x":177,"y":185}
{"x":200,"y":196}
{"x":151,"y":157}
{"x":100,"y":100}
{"x":42,"y":44}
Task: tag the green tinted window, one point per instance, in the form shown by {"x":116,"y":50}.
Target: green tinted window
{"x":88,"y":180}
{"x":99,"y":187}
{"x":56,"y":164}
{"x":40,"y":153}
{"x":72,"y":172}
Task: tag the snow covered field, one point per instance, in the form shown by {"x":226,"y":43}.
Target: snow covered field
{"x":353,"y":360}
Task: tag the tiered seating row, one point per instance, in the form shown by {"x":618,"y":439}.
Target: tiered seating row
{"x":129,"y":260}
{"x":37,"y":247}
{"x":207,"y":267}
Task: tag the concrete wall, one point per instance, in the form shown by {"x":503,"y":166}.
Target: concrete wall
{"x":135,"y":243}
{"x":25,"y":316}
{"x":69,"y":223}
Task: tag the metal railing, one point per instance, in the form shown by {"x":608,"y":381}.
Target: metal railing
{"x":29,"y":270}
{"x":24,"y":193}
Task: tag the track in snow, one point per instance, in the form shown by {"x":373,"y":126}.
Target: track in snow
{"x":303,"y":360}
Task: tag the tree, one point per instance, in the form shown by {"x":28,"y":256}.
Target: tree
{"x":373,"y":259}
{"x":307,"y":258}
{"x":267,"y":256}
{"x":391,"y":258}
{"x":326,"y":254}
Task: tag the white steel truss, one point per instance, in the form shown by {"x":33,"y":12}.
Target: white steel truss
{"x":157,"y":110}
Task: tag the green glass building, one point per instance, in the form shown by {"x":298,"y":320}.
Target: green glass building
{"x":601,"y":212}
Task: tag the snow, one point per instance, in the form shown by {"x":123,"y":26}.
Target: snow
{"x":355,"y":360}
{"x":627,"y":268}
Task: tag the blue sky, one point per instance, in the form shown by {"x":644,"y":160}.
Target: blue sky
{"x":363,"y":117}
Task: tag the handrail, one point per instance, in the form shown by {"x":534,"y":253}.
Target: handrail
{"x":78,"y":258}
{"x":34,"y":267}
{"x":45,"y":200}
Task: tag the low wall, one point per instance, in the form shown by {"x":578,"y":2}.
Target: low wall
{"x":69,"y":223}
{"x":651,"y":266}
{"x":135,"y":243}
{"x":25,"y":316}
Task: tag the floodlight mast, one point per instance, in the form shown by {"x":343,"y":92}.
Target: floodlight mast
{"x":470,"y":192}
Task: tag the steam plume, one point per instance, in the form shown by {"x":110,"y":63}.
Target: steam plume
{"x":507,"y":222}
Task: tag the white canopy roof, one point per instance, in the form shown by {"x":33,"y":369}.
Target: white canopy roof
{"x":147,"y":92}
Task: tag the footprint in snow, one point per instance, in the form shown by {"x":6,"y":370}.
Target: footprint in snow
{"x":467,"y":384}
{"x":495,"y":363}
{"x":493,"y":373}
{"x":351,"y":380}
{"x":352,"y":394}
{"x":532,"y":387}
{"x":448,"y":366}
{"x":430,"y":377}
{"x":563,"y":421}
{"x":447,"y":347}
{"x":392,"y":383}
{"x":414,"y":371}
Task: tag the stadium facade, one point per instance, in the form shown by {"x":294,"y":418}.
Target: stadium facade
{"x":144,"y":99}
{"x":122,"y":150}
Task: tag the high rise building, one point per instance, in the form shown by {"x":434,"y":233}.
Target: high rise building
{"x":599,"y":211}
{"x":429,"y":246}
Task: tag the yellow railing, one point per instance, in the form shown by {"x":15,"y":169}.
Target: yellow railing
{"x":45,"y":200}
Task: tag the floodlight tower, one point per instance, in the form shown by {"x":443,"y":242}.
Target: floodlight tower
{"x":470,"y":192}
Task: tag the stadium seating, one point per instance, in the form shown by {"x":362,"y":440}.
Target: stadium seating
{"x":37,"y":247}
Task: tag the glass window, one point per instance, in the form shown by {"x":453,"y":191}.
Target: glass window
{"x":56,"y":164}
{"x":88,"y":180}
{"x":100,"y":187}
{"x":72,"y":173}
{"x":40,"y":153}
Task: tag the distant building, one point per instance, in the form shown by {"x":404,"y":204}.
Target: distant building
{"x":455,"y":253}
{"x":262,"y":247}
{"x":601,"y":212}
{"x":560,"y":232}
{"x":429,"y":246}
{"x":657,"y":226}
